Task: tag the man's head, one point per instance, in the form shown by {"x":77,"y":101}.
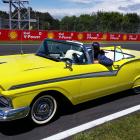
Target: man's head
{"x":96,"y":49}
{"x":96,"y":45}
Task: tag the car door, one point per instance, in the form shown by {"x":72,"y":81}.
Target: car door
{"x":98,"y":80}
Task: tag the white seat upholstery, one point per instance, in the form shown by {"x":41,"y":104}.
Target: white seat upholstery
{"x":69,"y":54}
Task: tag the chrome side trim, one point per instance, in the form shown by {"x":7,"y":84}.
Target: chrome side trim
{"x":80,"y":76}
{"x":8,"y":114}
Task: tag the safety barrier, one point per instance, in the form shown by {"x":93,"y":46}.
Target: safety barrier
{"x":39,"y":35}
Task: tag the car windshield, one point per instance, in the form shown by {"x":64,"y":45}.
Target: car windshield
{"x":61,"y":50}
{"x":117,"y":54}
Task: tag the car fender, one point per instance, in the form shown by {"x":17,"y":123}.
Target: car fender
{"x":25,"y":98}
{"x":137,"y":82}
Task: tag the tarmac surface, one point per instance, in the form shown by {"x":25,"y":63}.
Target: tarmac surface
{"x":32,"y":48}
{"x":25,"y":130}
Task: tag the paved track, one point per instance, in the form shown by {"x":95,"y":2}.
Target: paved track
{"x":16,"y":49}
{"x":29,"y":48}
{"x":25,"y":130}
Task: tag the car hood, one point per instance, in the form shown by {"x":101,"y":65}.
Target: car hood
{"x":17,"y":68}
{"x":17,"y":63}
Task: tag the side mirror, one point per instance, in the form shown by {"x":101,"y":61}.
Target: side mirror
{"x":68,"y":64}
{"x":116,"y":66}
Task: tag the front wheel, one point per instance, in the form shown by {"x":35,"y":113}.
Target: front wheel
{"x":44,"y":109}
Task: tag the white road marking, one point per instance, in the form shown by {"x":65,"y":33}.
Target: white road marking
{"x":86,"y":126}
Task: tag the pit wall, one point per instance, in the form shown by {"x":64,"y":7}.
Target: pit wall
{"x":39,"y":35}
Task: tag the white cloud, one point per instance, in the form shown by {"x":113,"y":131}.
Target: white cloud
{"x":56,"y":12}
{"x":90,"y":6}
{"x":81,"y":1}
{"x":95,"y":5}
{"x":3,"y":7}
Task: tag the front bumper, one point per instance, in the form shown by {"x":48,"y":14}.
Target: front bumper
{"x":8,"y":114}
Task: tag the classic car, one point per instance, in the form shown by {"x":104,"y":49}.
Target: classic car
{"x":36,"y":85}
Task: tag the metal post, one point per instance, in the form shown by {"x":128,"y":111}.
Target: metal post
{"x":38,"y":23}
{"x":29,"y":14}
{"x":10,"y":14}
{"x":0,"y":23}
{"x":74,"y":26}
{"x":19,"y":16}
{"x":17,"y":19}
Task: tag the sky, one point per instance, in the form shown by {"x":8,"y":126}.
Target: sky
{"x":61,"y":8}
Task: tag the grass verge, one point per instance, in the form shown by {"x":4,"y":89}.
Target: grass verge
{"x":126,"y":128}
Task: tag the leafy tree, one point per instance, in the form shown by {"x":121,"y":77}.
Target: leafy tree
{"x":96,"y":22}
{"x":130,"y":23}
{"x":68,"y":23}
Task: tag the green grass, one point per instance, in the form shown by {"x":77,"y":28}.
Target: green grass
{"x":126,"y":128}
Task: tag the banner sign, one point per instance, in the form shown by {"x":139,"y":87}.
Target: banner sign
{"x":39,"y":35}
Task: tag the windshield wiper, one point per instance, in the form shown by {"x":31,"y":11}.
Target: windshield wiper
{"x":48,"y":57}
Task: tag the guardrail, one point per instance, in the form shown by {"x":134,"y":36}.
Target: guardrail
{"x":39,"y":35}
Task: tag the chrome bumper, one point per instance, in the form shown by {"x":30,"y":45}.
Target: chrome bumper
{"x":8,"y":114}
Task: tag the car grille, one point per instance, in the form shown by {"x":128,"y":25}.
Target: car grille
{"x":4,"y":102}
{"x":2,"y":105}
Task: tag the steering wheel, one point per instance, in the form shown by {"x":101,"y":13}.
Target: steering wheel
{"x":67,"y":60}
{"x":77,"y":58}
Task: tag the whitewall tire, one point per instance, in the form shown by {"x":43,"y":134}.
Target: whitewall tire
{"x":44,"y":109}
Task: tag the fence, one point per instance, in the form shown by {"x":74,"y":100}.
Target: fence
{"x":36,"y":35}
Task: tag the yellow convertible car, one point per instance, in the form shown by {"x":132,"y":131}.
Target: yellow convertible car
{"x":36,"y":85}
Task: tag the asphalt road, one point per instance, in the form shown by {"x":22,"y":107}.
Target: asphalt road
{"x":29,"y":48}
{"x":24,"y":130}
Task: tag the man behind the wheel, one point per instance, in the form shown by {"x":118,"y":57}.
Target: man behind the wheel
{"x":99,"y":55}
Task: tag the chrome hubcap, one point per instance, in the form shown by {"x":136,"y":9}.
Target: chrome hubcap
{"x":43,"y":108}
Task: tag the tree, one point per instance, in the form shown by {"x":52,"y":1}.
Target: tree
{"x":96,"y":22}
{"x":131,"y":23}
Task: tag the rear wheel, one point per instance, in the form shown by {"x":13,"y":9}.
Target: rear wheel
{"x":137,"y":90}
{"x":44,"y":109}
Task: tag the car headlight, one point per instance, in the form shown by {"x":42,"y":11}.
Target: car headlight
{"x":5,"y":102}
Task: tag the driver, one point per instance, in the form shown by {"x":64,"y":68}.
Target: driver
{"x":99,"y":55}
